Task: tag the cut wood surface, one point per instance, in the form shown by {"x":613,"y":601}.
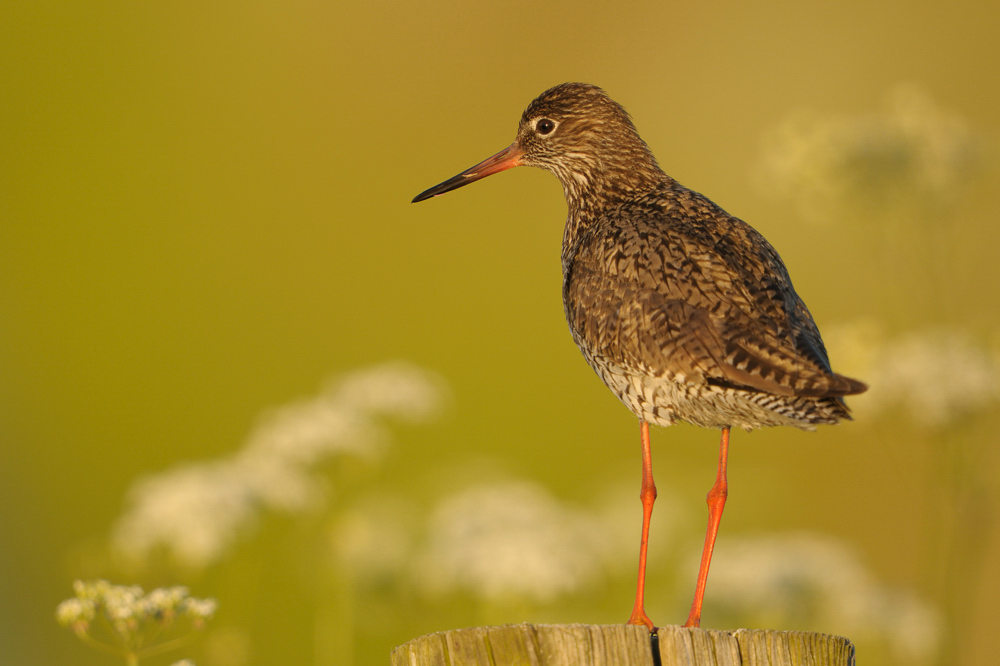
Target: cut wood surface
{"x":621,"y":645}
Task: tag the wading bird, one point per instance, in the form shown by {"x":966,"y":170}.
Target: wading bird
{"x":684,"y":311}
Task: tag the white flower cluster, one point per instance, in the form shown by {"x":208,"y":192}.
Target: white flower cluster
{"x":938,"y":374}
{"x":128,"y":608}
{"x":510,"y":540}
{"x":505,"y":541}
{"x":76,"y":612}
{"x":816,"y":582}
{"x":196,"y":511}
{"x":911,"y":153}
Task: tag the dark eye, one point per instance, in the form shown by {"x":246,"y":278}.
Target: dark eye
{"x":545,"y":126}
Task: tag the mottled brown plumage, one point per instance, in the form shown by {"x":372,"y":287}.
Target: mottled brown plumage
{"x":688,"y":313}
{"x":684,"y":311}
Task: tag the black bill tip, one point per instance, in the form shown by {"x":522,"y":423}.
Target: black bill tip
{"x":423,"y":196}
{"x":507,"y":158}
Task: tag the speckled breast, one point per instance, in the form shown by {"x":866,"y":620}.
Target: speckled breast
{"x":668,"y":398}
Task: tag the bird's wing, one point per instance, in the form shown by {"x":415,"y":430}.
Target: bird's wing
{"x":716,"y":312}
{"x":767,"y":327}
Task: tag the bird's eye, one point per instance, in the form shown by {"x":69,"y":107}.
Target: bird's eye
{"x":545,"y":126}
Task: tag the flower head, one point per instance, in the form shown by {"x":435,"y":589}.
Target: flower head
{"x":816,"y":582}
{"x":510,"y":540}
{"x":912,"y":155}
{"x":132,"y":615}
{"x":938,"y":374}
{"x":197,"y":511}
{"x":76,"y":612}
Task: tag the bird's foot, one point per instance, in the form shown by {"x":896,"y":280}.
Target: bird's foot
{"x":639,"y":617}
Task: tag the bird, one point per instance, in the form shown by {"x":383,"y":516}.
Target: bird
{"x":684,"y":311}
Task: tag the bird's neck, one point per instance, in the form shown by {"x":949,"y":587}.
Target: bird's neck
{"x":590,"y":197}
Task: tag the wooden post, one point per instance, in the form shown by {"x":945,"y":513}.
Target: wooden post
{"x":621,"y":645}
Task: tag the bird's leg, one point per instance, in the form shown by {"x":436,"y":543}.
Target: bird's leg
{"x":648,"y":496}
{"x":716,"y":503}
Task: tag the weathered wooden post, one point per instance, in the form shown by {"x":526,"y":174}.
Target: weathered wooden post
{"x":621,"y":645}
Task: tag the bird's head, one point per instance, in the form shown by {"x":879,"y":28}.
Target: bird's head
{"x":578,"y":133}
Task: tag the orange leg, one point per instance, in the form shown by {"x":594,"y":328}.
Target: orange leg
{"x":648,"y":496}
{"x":716,"y":503}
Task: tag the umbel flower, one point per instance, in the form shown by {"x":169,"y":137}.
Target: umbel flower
{"x":812,"y":581}
{"x":939,"y":374}
{"x":126,"y":621}
{"x":912,"y":155}
{"x":196,"y":511}
{"x":510,"y":541}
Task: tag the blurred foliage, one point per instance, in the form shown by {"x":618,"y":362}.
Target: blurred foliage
{"x":204,"y":212}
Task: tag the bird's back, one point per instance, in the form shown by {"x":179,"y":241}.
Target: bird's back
{"x":687,"y":313}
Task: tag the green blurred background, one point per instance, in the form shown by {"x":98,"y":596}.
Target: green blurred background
{"x":204,"y":213}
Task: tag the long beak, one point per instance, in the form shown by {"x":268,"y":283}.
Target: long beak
{"x":507,"y":158}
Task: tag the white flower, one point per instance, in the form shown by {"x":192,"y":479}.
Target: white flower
{"x":166,"y":599}
{"x":197,"y":511}
{"x":510,"y":540}
{"x":201,"y":609}
{"x":937,"y":374}
{"x":73,"y":611}
{"x":912,"y":155}
{"x":137,"y":618}
{"x":397,"y":389}
{"x":817,"y":582}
